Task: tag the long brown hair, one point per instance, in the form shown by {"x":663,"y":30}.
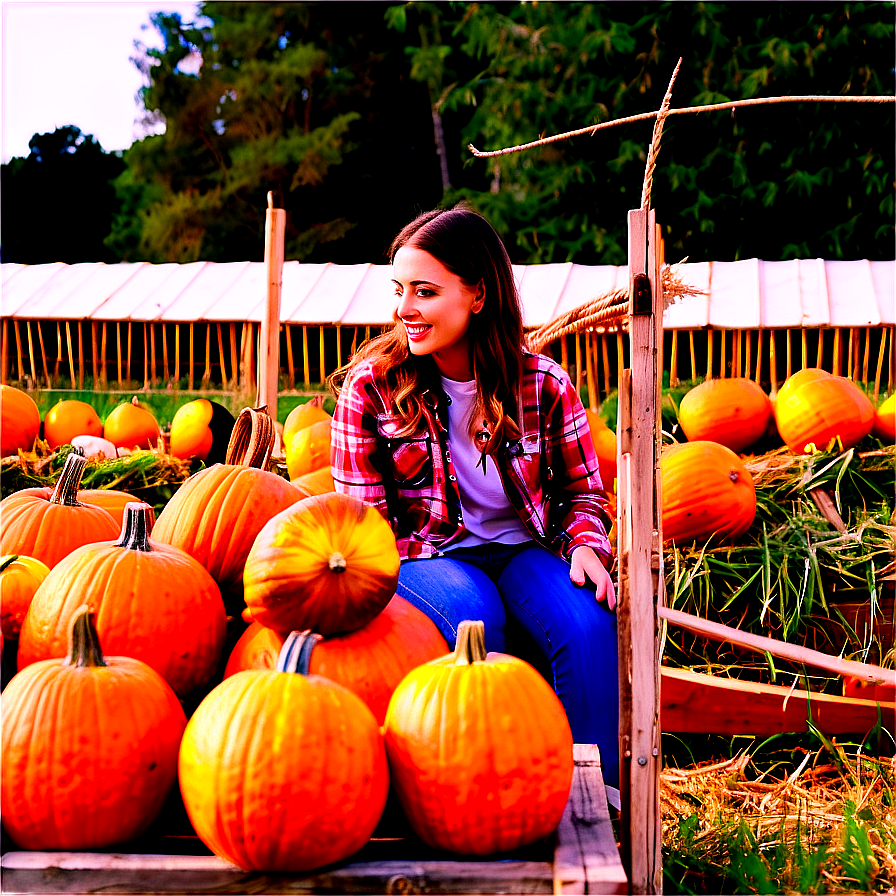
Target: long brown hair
{"x":468,"y":246}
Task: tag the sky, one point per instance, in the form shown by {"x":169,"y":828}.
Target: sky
{"x":68,"y":62}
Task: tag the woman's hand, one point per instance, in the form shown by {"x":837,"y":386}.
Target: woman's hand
{"x":585,"y":562}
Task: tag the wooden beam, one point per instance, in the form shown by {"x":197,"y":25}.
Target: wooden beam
{"x":305,"y":359}
{"x":176,"y":356}
{"x":290,"y":359}
{"x":709,"y":349}
{"x":222,"y":360}
{"x":103,"y":374}
{"x":708,"y":704}
{"x":120,"y":360}
{"x":590,"y":359}
{"x":190,"y":360}
{"x":71,"y":353}
{"x":35,"y":379}
{"x":234,"y":359}
{"x":793,"y":652}
{"x":130,"y":345}
{"x":269,"y":331}
{"x":152,"y":354}
{"x":881,"y":354}
{"x":4,"y":352}
{"x":80,"y":356}
{"x":867,"y":356}
{"x":580,"y":374}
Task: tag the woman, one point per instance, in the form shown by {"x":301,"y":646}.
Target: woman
{"x":479,"y":454}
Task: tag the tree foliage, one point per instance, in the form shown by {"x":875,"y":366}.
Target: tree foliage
{"x":58,"y":201}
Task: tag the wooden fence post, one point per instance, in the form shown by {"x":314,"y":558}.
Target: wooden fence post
{"x":269,"y":332}
{"x":640,"y":561}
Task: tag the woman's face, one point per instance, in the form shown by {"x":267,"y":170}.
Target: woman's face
{"x":435,"y":307}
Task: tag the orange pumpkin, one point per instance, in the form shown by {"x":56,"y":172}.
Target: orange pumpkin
{"x":480,"y":750}
{"x":734,"y":412}
{"x":302,"y":416}
{"x":328,"y":563}
{"x":110,"y":499}
{"x":216,"y":514}
{"x":70,"y":418}
{"x":309,"y":449}
{"x":317,"y":482}
{"x":201,"y":428}
{"x":20,"y":577}
{"x":49,"y":523}
{"x":816,"y":408}
{"x":370,"y":661}
{"x":152,"y":602}
{"x":131,"y":425}
{"x":89,"y":747}
{"x":885,"y":420}
{"x":707,"y":491}
{"x":283,"y":770}
{"x":605,"y":447}
{"x":19,"y":420}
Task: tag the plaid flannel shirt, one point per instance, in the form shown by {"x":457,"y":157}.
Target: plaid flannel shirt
{"x":550,"y":475}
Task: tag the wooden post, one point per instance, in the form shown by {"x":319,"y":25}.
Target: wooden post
{"x":127,"y":366}
{"x":820,"y":351}
{"x":640,"y":561}
{"x":590,"y":359}
{"x":80,"y":356}
{"x":709,"y":342}
{"x":4,"y":353}
{"x":673,"y":360}
{"x":176,"y":357}
{"x":339,"y":345}
{"x":693,"y":349}
{"x":34,"y":377}
{"x":269,"y":331}
{"x":580,"y":374}
{"x":224,"y":378}
{"x":190,"y":361}
{"x":103,"y":371}
{"x":234,"y":360}
{"x":19,"y":360}
{"x":120,"y":360}
{"x":605,"y":355}
{"x":305,"y":360}
{"x":838,"y":356}
{"x":772,"y":364}
{"x":866,"y":358}
{"x":758,"y":356}
{"x":881,"y":353}
{"x":564,"y":354}
{"x":152,"y":354}
{"x":290,"y":360}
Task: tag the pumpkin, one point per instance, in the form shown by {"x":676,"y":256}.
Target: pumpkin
{"x":49,"y":523}
{"x":19,"y":421}
{"x":152,"y":601}
{"x":884,"y":426}
{"x":201,"y":428}
{"x":216,"y":514}
{"x":110,"y":499}
{"x":309,"y":449}
{"x":370,"y":661}
{"x":604,"y":440}
{"x":302,"y":416}
{"x":131,"y":425}
{"x":317,"y":482}
{"x":706,"y":491}
{"x":328,"y":563}
{"x":70,"y":418}
{"x":282,"y":770}
{"x":480,"y":750}
{"x":814,"y":407}
{"x":19,"y":579}
{"x":734,"y":412}
{"x":89,"y":747}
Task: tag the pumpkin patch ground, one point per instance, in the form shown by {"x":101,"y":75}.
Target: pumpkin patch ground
{"x":795,"y":559}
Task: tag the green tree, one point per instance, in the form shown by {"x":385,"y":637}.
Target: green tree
{"x":58,"y":201}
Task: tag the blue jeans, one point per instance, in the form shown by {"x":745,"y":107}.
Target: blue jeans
{"x":529,"y":587}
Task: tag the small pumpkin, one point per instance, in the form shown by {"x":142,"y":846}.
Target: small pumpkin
{"x":70,"y":418}
{"x":309,"y":449}
{"x":734,"y":412}
{"x":152,"y":601}
{"x":885,"y":420}
{"x":111,"y":500}
{"x":19,"y":420}
{"x":327,"y":563}
{"x":131,"y":425}
{"x":814,"y":407}
{"x":605,"y":447}
{"x":302,"y":416}
{"x":201,"y":428}
{"x":20,"y":577}
{"x":480,"y":750}
{"x":50,"y":523}
{"x":283,"y":770}
{"x":90,"y":747}
{"x":317,"y":482}
{"x":216,"y":514}
{"x":706,"y":491}
{"x":370,"y":661}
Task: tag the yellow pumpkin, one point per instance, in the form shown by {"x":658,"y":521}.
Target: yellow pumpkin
{"x":130,"y":425}
{"x":301,"y":417}
{"x":309,"y":449}
{"x":20,"y":577}
{"x":885,"y":420}
{"x":328,"y":563}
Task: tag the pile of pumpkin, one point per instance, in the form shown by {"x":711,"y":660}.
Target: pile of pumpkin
{"x":335,"y":694}
{"x":707,"y":491}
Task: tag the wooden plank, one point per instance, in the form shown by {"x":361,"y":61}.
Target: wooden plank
{"x":794,"y":652}
{"x":269,"y":331}
{"x":707,"y":704}
{"x":586,"y":858}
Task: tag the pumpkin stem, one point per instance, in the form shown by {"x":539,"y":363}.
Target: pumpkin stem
{"x":6,"y":561}
{"x":336,"y":562}
{"x":139,"y":519}
{"x":470,"y":645}
{"x":66,"y":490}
{"x":252,"y":440}
{"x":83,"y":641}
{"x":295,"y":654}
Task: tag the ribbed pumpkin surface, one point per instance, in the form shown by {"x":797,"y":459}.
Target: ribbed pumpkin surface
{"x":706,"y":491}
{"x":370,"y":662}
{"x":734,"y":412}
{"x":283,"y":772}
{"x":480,"y":754}
{"x":217,"y":513}
{"x":815,"y":407}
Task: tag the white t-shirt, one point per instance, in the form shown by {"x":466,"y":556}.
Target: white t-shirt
{"x":488,"y":515}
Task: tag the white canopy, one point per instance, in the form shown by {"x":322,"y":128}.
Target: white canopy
{"x":739,"y":295}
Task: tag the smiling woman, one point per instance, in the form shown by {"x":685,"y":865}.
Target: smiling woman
{"x":86,"y":74}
